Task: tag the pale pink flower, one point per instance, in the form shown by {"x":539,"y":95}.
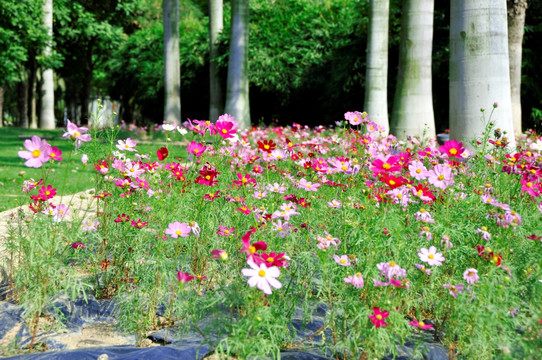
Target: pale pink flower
{"x":37,"y":152}
{"x":454,"y":289}
{"x":440,"y":176}
{"x":177,"y":229}
{"x":431,"y":256}
{"x":355,"y":117}
{"x":355,"y":280}
{"x":417,"y":170}
{"x":76,"y":133}
{"x":483,"y":231}
{"x":128,"y":145}
{"x":424,"y":216}
{"x":335,"y":204}
{"x":471,"y":276}
{"x":308,"y":186}
{"x":343,"y":260}
{"x":262,"y":276}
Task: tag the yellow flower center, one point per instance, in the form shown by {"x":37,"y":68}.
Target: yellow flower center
{"x":224,"y":131}
{"x":208,"y":177}
{"x":178,"y":232}
{"x":343,"y":261}
{"x":244,"y":180}
{"x":127,"y":146}
{"x":47,"y":193}
{"x":270,"y":260}
{"x":421,"y":324}
{"x":52,"y":155}
{"x":418,"y":171}
{"x":386,"y":166}
{"x":453,"y":151}
{"x":196,"y":151}
{"x":226,"y":231}
{"x":529,"y":184}
{"x":36,"y":153}
{"x":76,"y":134}
{"x":441,"y":177}
{"x":392,"y":263}
{"x":261,"y":273}
{"x":252,"y":249}
{"x":266,"y":147}
{"x":378,"y":317}
{"x":358,"y":274}
{"x":431,"y":256}
{"x":392,"y":182}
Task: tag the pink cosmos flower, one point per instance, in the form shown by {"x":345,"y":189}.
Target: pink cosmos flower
{"x":60,"y":211}
{"x":183,"y":277}
{"x":225,"y":129}
{"x":244,"y":180}
{"x":195,"y":148}
{"x":343,"y":260}
{"x":417,"y":170}
{"x":471,"y":276}
{"x":262,"y":276}
{"x":139,"y":223}
{"x":76,"y":133}
{"x":420,"y":324}
{"x":483,"y":231}
{"x":423,"y":269}
{"x":440,"y":176}
{"x":452,"y":148}
{"x":431,"y":256}
{"x":335,"y":204}
{"x":424,"y":216}
{"x":46,"y":193}
{"x":224,"y":230}
{"x":388,"y":166}
{"x":454,"y":289}
{"x":355,"y":280}
{"x":177,"y":229}
{"x":250,"y":249}
{"x":55,"y":154}
{"x":308,"y":186}
{"x":37,"y":152}
{"x":379,"y":317}
{"x":128,"y":145}
{"x":271,"y":259}
{"x":244,"y":209}
{"x":219,"y":254}
{"x":355,"y":117}
{"x":89,"y":225}
{"x":325,"y":242}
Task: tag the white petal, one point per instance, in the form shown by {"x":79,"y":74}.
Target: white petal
{"x":253,"y":281}
{"x":249,"y":272}
{"x":274,"y":283}
{"x":273,"y":272}
{"x":263,"y":285}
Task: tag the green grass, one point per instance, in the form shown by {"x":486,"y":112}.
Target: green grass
{"x":67,"y":176}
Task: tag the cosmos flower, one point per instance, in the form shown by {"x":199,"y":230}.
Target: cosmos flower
{"x":262,"y":276}
{"x":431,"y":256}
{"x":37,"y":152}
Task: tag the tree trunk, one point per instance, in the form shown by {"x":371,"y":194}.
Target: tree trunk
{"x":413,"y":103}
{"x":22,"y":101}
{"x":216,"y":25}
{"x":479,"y":68}
{"x":32,"y":87}
{"x":86,"y":89}
{"x":1,"y":106}
{"x":237,"y":97}
{"x":47,"y":110}
{"x":376,"y":75}
{"x":516,"y":24}
{"x":172,"y":67}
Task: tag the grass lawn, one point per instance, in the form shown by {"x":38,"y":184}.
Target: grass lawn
{"x":67,"y":176}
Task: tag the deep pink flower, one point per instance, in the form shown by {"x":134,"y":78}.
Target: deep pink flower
{"x":219,"y":254}
{"x":162,"y":153}
{"x":420,"y":324}
{"x":244,"y":180}
{"x":211,"y":196}
{"x":195,"y":148}
{"x":183,"y":277}
{"x":46,"y":193}
{"x":452,"y":148}
{"x":387,"y":166}
{"x":244,"y":209}
{"x":139,"y":224}
{"x":379,"y":317}
{"x":225,"y":129}
{"x":55,"y":154}
{"x":224,"y":230}
{"x":37,"y":152}
{"x":271,"y":259}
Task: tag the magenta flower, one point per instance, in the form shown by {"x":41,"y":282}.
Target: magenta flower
{"x":244,"y":180}
{"x":387,"y":166}
{"x":431,"y":256}
{"x":225,"y":129}
{"x":262,"y":276}
{"x":343,"y":260}
{"x":219,"y":254}
{"x":37,"y":152}
{"x":420,"y":324}
{"x":355,"y":280}
{"x":177,"y":229}
{"x":452,"y":148}
{"x":224,"y":230}
{"x":379,"y":317}
{"x":195,"y":148}
{"x":183,"y":277}
{"x":55,"y":154}
{"x":139,"y":223}
{"x":76,"y":133}
{"x":471,"y":276}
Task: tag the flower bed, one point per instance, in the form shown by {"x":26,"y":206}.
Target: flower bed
{"x":248,"y":238}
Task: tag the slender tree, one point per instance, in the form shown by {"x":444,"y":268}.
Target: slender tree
{"x":413,"y":103}
{"x":172,"y":66}
{"x":47,"y":111}
{"x":479,"y":68}
{"x":237,"y":97}
{"x":376,"y":75}
{"x":216,"y":25}
{"x":516,"y":24}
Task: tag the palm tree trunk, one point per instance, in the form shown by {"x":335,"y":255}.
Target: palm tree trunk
{"x":516,"y":24}
{"x":479,"y":68}
{"x":172,"y":67}
{"x":47,"y":110}
{"x":413,"y":103}
{"x":216,"y":24}
{"x":376,"y":75}
{"x":237,"y":96}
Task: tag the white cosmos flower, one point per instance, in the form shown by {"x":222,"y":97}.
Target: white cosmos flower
{"x":262,"y":277}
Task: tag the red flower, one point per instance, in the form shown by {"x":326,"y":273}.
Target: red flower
{"x":271,"y":259}
{"x":139,"y":224}
{"x":379,"y":317}
{"x":211,"y":196}
{"x":122,"y":218}
{"x":267,"y":146}
{"x":105,"y":264}
{"x":162,"y":153}
{"x":183,"y":277}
